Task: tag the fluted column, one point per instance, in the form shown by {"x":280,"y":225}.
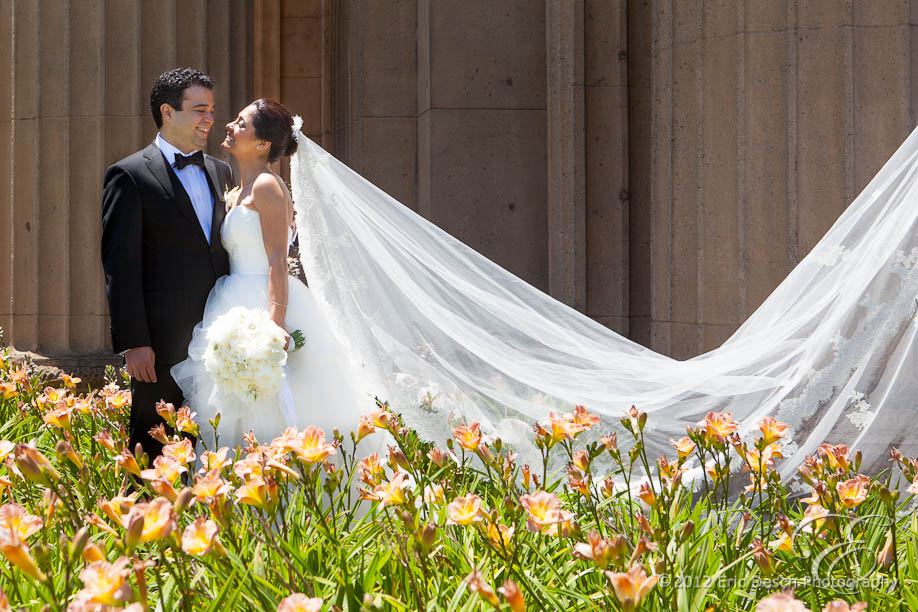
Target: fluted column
{"x":76,"y":78}
{"x":564,"y":21}
{"x":7,"y":228}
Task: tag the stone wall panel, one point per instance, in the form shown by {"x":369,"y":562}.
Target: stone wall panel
{"x":482,"y":191}
{"x":487,"y":55}
{"x":719,"y":274}
{"x":822,"y":132}
{"x":390,"y":158}
{"x":880,"y":97}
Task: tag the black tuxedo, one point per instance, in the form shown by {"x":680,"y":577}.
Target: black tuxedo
{"x":159,"y":269}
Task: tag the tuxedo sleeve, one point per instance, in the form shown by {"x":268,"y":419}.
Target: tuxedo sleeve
{"x":122,"y":245}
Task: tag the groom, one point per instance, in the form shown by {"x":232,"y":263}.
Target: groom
{"x":162,"y":209}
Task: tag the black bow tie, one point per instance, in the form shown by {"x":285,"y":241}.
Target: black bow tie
{"x":196,"y":158}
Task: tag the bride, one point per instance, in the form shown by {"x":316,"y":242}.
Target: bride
{"x":320,"y":386}
{"x":399,"y":308}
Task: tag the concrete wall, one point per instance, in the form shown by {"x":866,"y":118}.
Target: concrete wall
{"x":74,"y":83}
{"x":753,"y":124}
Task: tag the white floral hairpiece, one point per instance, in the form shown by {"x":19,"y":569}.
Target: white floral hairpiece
{"x":297,"y":125}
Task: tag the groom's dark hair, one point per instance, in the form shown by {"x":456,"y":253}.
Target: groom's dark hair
{"x":170,"y":87}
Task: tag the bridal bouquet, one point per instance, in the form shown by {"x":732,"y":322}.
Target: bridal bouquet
{"x":245,"y":353}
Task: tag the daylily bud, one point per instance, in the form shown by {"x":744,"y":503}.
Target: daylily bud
{"x":687,"y":530}
{"x":477,"y":585}
{"x":427,"y":537}
{"x":65,"y":450}
{"x":182,"y":501}
{"x":79,"y":541}
{"x":513,"y":595}
{"x":35,"y":466}
{"x":17,"y":552}
{"x":485,"y":453}
{"x":397,"y":459}
{"x":134,"y":531}
{"x":886,"y":555}
{"x":91,"y":552}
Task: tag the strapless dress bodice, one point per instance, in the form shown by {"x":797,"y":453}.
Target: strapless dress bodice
{"x":243,"y":241}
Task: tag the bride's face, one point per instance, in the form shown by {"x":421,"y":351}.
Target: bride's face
{"x":240,"y":139}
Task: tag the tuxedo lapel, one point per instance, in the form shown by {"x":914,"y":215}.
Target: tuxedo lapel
{"x":219,"y":210}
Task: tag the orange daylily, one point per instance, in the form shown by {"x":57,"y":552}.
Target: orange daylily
{"x":477,"y":584}
{"x":464,"y":510}
{"x":365,"y":426}
{"x":118,"y":506}
{"x":182,"y":452}
{"x":164,"y":468}
{"x":772,"y":429}
{"x":389,"y":493}
{"x":17,"y":551}
{"x":210,"y":486}
{"x":544,"y":511}
{"x":631,"y":587}
{"x":783,"y":601}
{"x":211,"y":460}
{"x":718,"y":426}
{"x":854,"y":491}
{"x":500,"y":536}
{"x":311,"y":446}
{"x":104,"y":583}
{"x":598,"y":550}
{"x":468,"y":436}
{"x":370,"y":470}
{"x":16,"y":519}
{"x":158,"y":519}
{"x":58,"y":417}
{"x":684,"y":446}
{"x":513,"y":595}
{"x":256,"y":491}
{"x":184,"y":421}
{"x":200,"y":537}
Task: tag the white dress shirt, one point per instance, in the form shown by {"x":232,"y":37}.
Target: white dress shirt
{"x":194,"y":180}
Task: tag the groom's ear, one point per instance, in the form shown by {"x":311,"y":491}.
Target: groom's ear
{"x":168,"y":113}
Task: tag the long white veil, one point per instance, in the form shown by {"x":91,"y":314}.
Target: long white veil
{"x":831,"y":352}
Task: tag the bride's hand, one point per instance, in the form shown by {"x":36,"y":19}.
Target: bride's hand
{"x":286,"y":341}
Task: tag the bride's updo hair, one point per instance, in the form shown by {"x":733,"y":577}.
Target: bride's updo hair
{"x":273,"y":123}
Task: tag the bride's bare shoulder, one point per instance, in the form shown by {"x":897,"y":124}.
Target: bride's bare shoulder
{"x":270,"y":185}
{"x":269,"y":190}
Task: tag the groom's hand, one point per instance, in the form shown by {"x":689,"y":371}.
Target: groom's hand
{"x":140,"y":362}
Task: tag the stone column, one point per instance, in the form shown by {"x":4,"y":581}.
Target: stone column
{"x":76,"y":78}
{"x":606,"y":145}
{"x":567,"y":244}
{"x":754,"y":127}
{"x":587,"y":158}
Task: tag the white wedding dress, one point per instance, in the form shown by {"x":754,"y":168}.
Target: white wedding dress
{"x":321,"y":389}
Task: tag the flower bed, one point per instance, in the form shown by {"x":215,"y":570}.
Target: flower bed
{"x":304,"y":523}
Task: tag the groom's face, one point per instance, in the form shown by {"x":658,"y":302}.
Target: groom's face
{"x":188,"y":127}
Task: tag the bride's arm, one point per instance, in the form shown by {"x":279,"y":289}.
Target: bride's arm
{"x":271,"y":202}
